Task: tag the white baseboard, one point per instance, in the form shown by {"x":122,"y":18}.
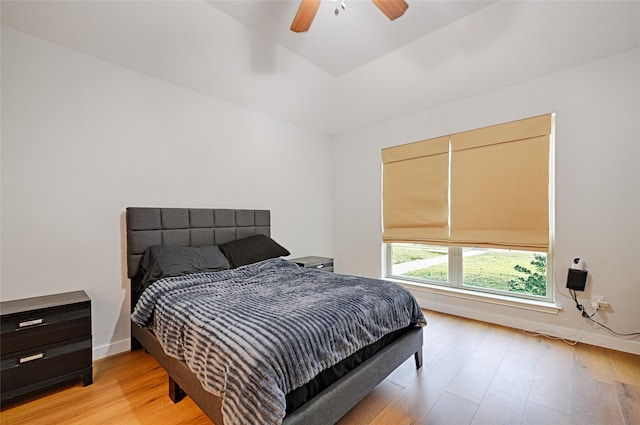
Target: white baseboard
{"x":581,"y":335}
{"x":111,"y":349}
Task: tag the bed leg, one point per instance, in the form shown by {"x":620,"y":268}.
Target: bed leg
{"x":418,"y":357}
{"x":176,"y":393}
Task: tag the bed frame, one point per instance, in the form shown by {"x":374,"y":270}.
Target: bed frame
{"x":198,"y":226}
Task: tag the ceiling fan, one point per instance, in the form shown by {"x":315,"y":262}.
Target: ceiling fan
{"x":307,"y":11}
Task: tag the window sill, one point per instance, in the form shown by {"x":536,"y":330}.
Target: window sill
{"x":538,"y":306}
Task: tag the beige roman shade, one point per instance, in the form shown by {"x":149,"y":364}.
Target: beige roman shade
{"x":500,"y":186}
{"x":498,"y":190}
{"x":415,"y":192}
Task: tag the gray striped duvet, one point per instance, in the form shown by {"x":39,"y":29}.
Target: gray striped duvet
{"x":254,"y":333}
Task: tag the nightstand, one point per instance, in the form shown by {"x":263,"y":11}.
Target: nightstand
{"x":45,"y":341}
{"x":320,"y":263}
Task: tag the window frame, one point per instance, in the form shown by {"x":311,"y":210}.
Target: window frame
{"x":455,"y":277}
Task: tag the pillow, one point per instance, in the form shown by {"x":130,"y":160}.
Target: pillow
{"x":252,"y":249}
{"x":167,"y":260}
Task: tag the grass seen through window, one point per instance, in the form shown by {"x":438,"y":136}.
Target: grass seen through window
{"x":499,"y":270}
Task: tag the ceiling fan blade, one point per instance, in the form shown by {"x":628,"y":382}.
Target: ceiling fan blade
{"x":304,"y":17}
{"x":392,"y":8}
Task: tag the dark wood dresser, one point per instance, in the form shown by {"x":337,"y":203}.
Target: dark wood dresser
{"x":313,"y":262}
{"x":45,"y":341}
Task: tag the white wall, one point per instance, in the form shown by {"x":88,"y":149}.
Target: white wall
{"x":82,"y":139}
{"x":597,"y":190}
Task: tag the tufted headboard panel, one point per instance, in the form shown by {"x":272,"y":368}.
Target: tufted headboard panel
{"x":189,"y":227}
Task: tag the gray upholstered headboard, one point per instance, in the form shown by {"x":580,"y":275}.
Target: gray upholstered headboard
{"x":189,"y":227}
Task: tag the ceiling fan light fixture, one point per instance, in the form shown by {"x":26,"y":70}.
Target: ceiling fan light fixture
{"x":392,"y":9}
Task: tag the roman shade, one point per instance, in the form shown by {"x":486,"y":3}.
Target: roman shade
{"x":415,"y":192}
{"x":496,"y":190}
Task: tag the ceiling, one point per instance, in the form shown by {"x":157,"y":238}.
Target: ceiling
{"x":357,"y":35}
{"x":349,"y":71}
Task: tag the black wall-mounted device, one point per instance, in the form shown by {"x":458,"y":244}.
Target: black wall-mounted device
{"x":577,"y":279}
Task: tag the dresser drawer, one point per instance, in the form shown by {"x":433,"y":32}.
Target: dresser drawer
{"x":43,"y":327}
{"x":32,"y":366}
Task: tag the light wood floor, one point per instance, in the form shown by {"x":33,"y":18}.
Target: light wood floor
{"x":473,"y":373}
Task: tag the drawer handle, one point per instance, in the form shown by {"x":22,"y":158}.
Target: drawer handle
{"x":30,"y":323}
{"x":31,"y":358}
{"x":320,"y":266}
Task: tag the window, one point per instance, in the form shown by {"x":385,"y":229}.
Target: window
{"x":506,"y":272}
{"x":473,"y":210}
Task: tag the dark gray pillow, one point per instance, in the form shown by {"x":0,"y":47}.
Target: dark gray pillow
{"x":168,"y":260}
{"x":252,"y":249}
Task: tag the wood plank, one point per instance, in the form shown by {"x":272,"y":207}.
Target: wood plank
{"x":451,"y":409}
{"x":594,"y":361}
{"x":536,"y":415}
{"x":551,"y":384}
{"x":601,"y":398}
{"x":629,"y":398}
{"x":372,"y":405}
{"x":626,"y":367}
{"x":506,"y":398}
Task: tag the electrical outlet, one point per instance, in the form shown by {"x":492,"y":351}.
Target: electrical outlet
{"x":598,"y":301}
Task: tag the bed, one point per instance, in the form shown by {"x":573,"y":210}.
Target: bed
{"x":331,"y":394}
